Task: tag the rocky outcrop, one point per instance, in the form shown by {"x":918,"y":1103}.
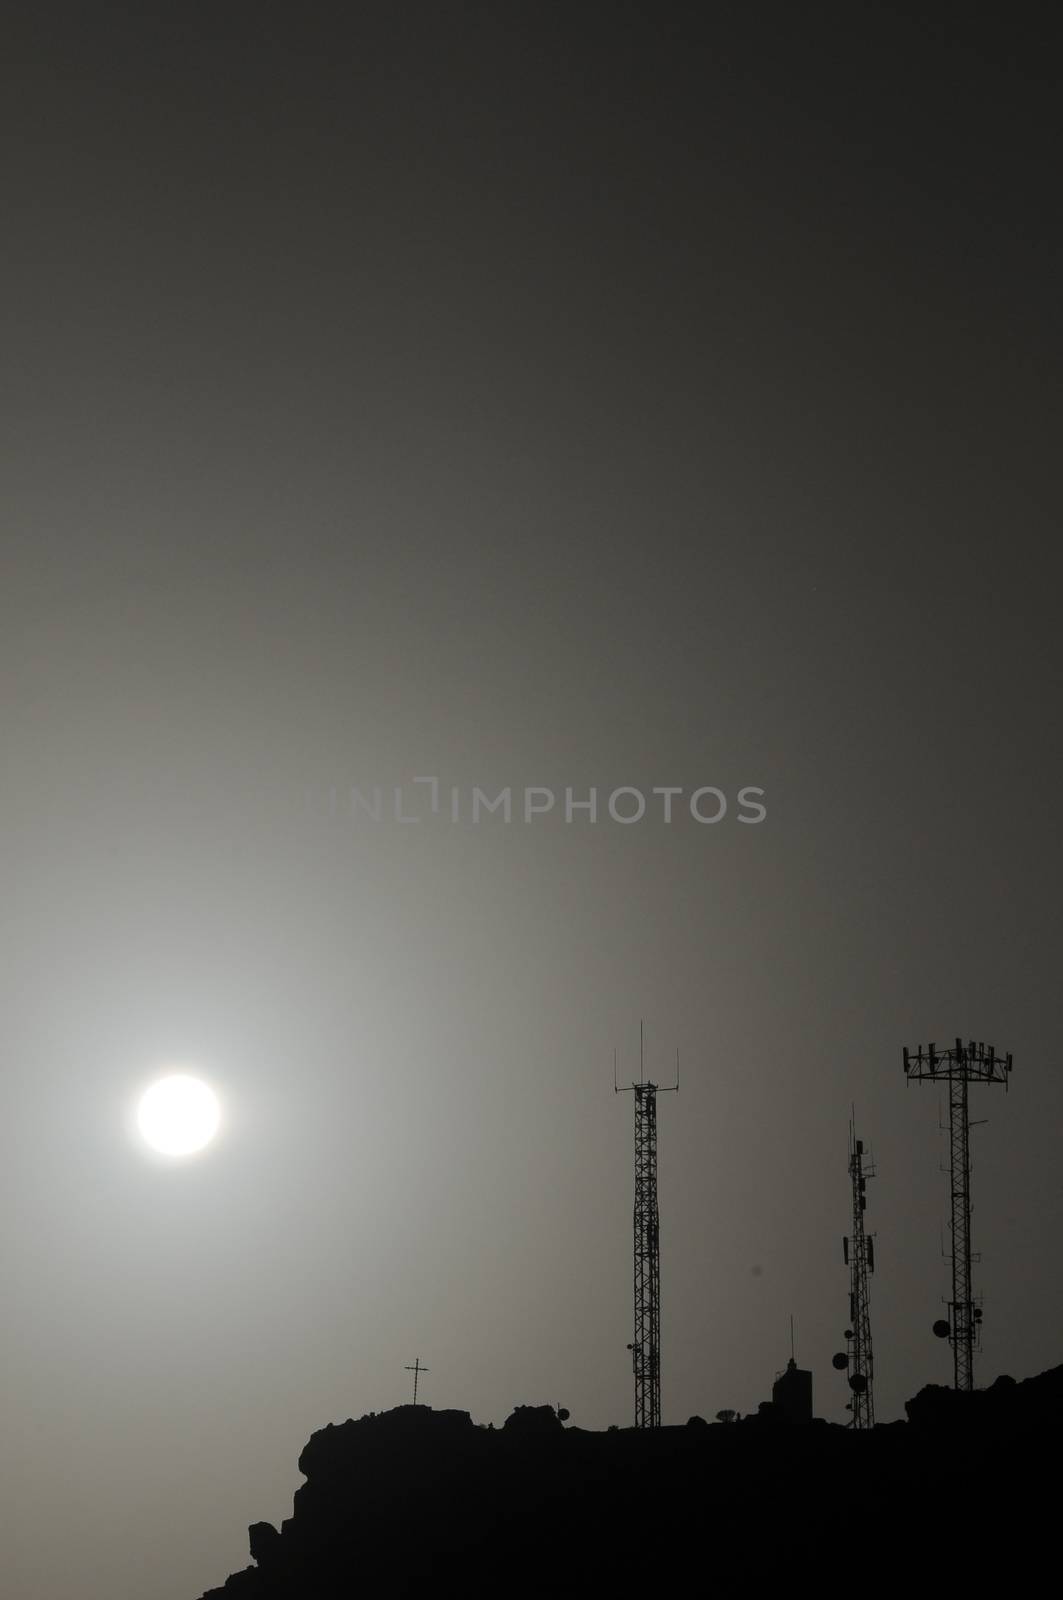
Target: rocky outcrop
{"x":1005,"y":1407}
{"x":416,"y":1501}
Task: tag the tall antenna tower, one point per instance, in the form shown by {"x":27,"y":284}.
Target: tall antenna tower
{"x":959,"y":1068}
{"x":646,"y":1345}
{"x":858,"y":1250}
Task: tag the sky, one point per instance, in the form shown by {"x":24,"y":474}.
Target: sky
{"x":527,"y":397}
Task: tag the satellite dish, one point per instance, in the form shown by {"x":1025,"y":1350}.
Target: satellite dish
{"x":563,"y":1414}
{"x":848,"y":1333}
{"x":941,"y":1328}
{"x":840,"y":1361}
{"x":857,"y":1382}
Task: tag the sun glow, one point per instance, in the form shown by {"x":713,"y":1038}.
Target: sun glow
{"x":178,"y":1114}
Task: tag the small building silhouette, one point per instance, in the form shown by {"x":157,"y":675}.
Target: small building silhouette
{"x":791,"y":1393}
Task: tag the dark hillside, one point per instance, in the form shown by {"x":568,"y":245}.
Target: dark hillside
{"x":415,"y":1500}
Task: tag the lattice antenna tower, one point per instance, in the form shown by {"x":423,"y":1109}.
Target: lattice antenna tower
{"x":646,"y":1343}
{"x":959,"y":1067}
{"x":858,"y":1251}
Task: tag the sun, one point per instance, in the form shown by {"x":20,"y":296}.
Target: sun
{"x":178,"y":1114}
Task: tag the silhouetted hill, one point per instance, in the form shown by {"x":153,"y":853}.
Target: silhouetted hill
{"x":1003,"y":1407}
{"x":416,"y":1500}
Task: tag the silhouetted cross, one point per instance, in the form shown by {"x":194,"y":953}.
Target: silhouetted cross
{"x":416,"y":1369}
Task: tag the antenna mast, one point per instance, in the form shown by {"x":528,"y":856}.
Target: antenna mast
{"x":646,"y":1345}
{"x":858,"y":1251}
{"x":959,"y":1067}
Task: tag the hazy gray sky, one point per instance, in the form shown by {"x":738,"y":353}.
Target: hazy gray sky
{"x":523,"y":396}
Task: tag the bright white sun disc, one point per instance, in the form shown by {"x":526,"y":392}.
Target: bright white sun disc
{"x":178,"y":1115}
